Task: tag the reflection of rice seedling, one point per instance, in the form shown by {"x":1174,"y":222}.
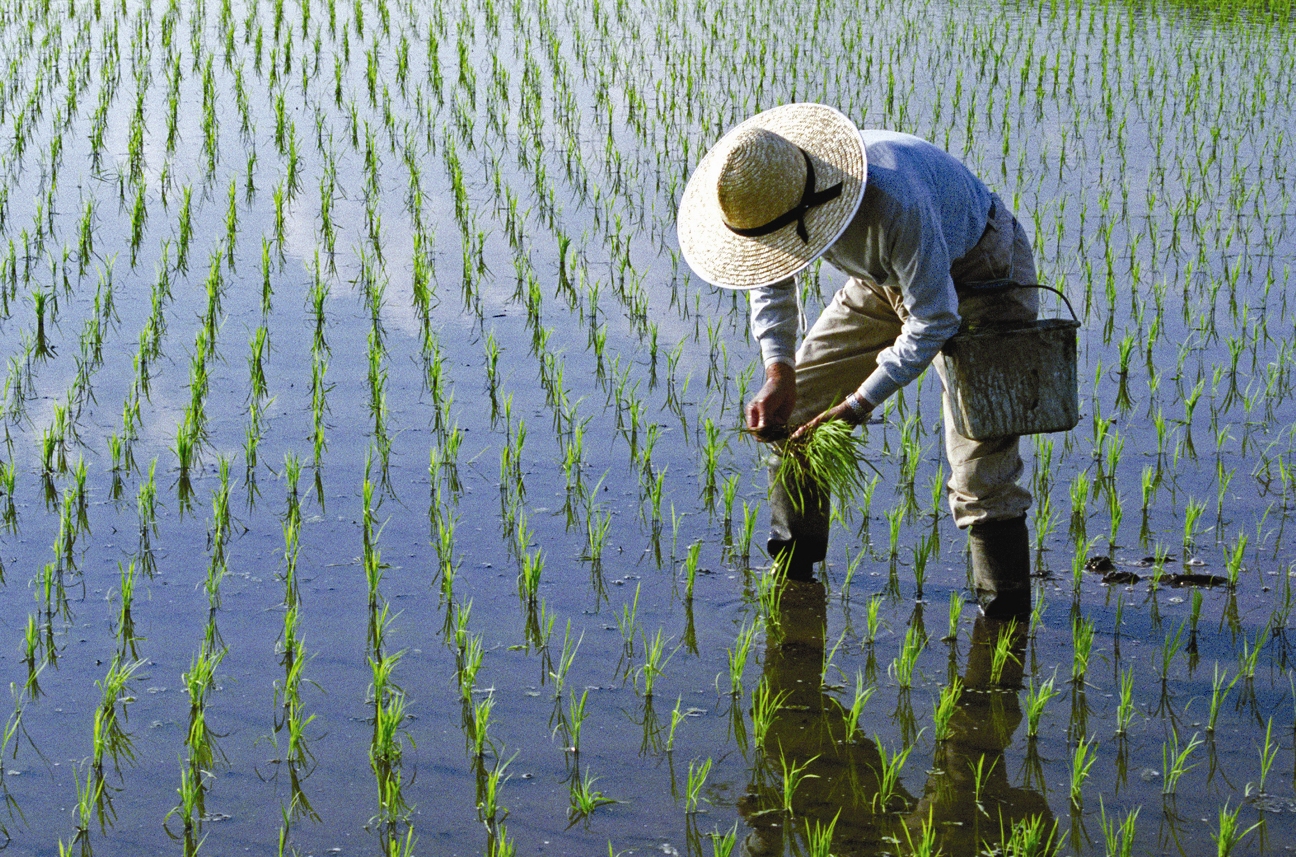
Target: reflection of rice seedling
{"x":827,"y":457}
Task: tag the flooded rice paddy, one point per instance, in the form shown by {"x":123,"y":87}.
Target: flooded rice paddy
{"x":372,"y":480}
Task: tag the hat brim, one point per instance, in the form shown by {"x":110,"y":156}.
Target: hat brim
{"x":723,"y":258}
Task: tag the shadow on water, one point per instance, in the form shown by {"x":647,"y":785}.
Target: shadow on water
{"x":966,"y":806}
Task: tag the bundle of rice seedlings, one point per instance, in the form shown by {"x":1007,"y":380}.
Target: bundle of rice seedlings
{"x":827,"y":458}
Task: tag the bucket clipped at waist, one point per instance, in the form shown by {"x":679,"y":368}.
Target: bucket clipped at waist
{"x":1013,"y":378}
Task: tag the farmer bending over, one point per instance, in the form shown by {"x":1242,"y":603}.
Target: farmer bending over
{"x":912,"y":228}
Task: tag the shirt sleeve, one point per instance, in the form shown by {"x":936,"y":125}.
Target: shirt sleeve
{"x":919,"y":258}
{"x":774,"y":321}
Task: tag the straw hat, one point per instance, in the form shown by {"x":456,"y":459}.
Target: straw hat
{"x":772,"y":196}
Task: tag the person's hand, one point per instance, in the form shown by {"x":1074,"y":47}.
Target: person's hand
{"x":842,"y":412}
{"x":768,"y":412}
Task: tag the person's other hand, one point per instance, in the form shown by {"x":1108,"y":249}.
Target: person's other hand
{"x":768,"y":412}
{"x":842,"y":412}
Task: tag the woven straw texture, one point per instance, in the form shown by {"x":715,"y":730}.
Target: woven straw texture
{"x":723,"y":258}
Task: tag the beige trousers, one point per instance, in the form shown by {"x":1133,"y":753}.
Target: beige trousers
{"x":840,"y":351}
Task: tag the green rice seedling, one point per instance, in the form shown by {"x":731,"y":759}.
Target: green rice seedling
{"x":924,"y":846}
{"x":872,"y":619}
{"x":654,"y":662}
{"x":575,"y":720}
{"x":902,"y":668}
{"x":1249,"y":658}
{"x":769,"y":595}
{"x":470,"y":661}
{"x":793,"y":776}
{"x":851,"y":568}
{"x":690,"y":568}
{"x":1268,"y":753}
{"x":585,"y":798}
{"x":863,"y":693}
{"x":677,"y":717}
{"x":723,"y":844}
{"x":488,"y":806}
{"x":1038,"y":696}
{"x":481,"y":714}
{"x":895,"y":520}
{"x":980,"y":776}
{"x":1229,"y":834}
{"x":829,"y":656}
{"x":1082,"y":759}
{"x":697,"y":774}
{"x":737,"y":655}
{"x":1118,"y":836}
{"x":529,"y":577}
{"x":560,"y":669}
{"x":628,"y":624}
{"x":1125,"y":706}
{"x":1192,"y":514}
{"x":944,"y":709}
{"x":1233,"y":560}
{"x":819,"y":836}
{"x":1002,"y":652}
{"x":956,"y":603}
{"x":597,"y":526}
{"x":1174,"y":761}
{"x":888,"y":775}
{"x":1082,"y":637}
{"x":765,"y":704}
{"x":1032,"y":836}
{"x":1169,"y":648}
{"x":828,"y":456}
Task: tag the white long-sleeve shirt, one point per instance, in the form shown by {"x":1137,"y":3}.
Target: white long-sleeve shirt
{"x":922,"y":210}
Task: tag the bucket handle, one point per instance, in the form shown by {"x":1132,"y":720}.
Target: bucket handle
{"x":997,"y":286}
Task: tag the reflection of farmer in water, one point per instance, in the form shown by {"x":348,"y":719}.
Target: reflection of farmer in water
{"x":809,"y":730}
{"x":915,"y":230}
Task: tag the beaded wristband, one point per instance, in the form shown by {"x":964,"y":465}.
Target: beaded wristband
{"x":858,"y":406}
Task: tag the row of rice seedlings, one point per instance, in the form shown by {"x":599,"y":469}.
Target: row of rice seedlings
{"x":387,"y":699}
{"x":291,"y":719}
{"x":198,"y":766}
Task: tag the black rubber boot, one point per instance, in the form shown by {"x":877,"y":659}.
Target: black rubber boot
{"x":1001,"y":567}
{"x":797,"y":557}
